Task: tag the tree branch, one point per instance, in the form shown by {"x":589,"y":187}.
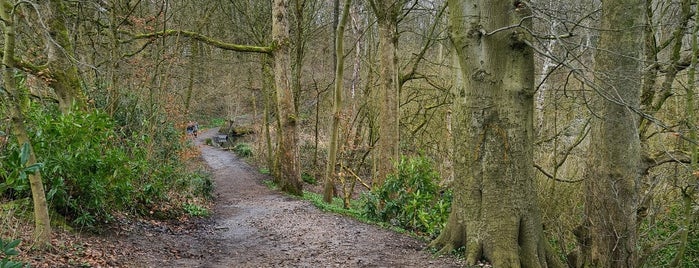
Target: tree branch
{"x":204,"y":39}
{"x":664,"y":158}
{"x":541,"y":169}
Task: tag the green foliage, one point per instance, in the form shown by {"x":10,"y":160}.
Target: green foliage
{"x":14,"y":172}
{"x":93,"y":167}
{"x":217,"y":122}
{"x":243,"y":149}
{"x":336,"y":206}
{"x":7,"y":250}
{"x":308,"y":178}
{"x":88,"y":169}
{"x":195,"y":210}
{"x":410,"y":199}
{"x":200,"y":183}
{"x":270,"y":184}
{"x":661,"y":230}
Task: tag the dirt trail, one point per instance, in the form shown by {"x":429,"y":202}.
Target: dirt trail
{"x":254,"y":226}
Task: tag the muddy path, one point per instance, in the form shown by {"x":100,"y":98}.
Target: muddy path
{"x":254,"y":226}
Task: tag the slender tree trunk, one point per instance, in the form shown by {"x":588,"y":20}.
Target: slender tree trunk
{"x":288,"y":156}
{"x":608,"y":233}
{"x":652,"y":98}
{"x":16,"y":102}
{"x":268,"y":92}
{"x":495,"y":214}
{"x":193,"y":71}
{"x":115,"y":58}
{"x":299,"y":50}
{"x":328,"y":189}
{"x":688,"y":193}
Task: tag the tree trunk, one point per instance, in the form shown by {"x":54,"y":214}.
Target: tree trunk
{"x":608,"y":232}
{"x":288,"y":156}
{"x":299,"y":50}
{"x":495,"y":214}
{"x":328,"y":189}
{"x":16,"y":101}
{"x":387,"y":147}
{"x":66,"y":80}
{"x":691,"y":114}
{"x":268,"y":92}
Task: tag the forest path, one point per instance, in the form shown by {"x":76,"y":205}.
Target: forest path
{"x":254,"y":226}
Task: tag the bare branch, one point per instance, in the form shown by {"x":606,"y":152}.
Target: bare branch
{"x":204,"y":39}
{"x":548,"y":175}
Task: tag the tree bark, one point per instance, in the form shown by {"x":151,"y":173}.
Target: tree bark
{"x":16,"y":101}
{"x":495,"y":214}
{"x":328,"y":189}
{"x":268,"y":93}
{"x":66,"y":80}
{"x":387,"y":146}
{"x":608,"y":233}
{"x":290,"y":180}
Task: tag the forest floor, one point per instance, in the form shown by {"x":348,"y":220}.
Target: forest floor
{"x":251,"y":226}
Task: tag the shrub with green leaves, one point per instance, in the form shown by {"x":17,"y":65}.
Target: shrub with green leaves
{"x":410,"y":199}
{"x":91,"y":170}
{"x":243,"y":149}
{"x":8,"y":249}
{"x":14,"y":171}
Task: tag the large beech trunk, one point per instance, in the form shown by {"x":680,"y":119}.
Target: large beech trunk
{"x":495,"y":215}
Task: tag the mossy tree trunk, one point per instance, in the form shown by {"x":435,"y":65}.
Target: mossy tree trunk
{"x":268,"y":100}
{"x":495,"y":215}
{"x":387,"y":94}
{"x":66,"y":79}
{"x":16,"y":102}
{"x":288,"y":156}
{"x":608,"y":232}
{"x":329,"y":186}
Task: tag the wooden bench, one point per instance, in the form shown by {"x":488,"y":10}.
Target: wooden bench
{"x":220,"y":139}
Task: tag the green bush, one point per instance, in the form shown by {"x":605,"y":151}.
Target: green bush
{"x":243,"y":150}
{"x":410,"y":199}
{"x":91,"y":170}
{"x":13,"y":171}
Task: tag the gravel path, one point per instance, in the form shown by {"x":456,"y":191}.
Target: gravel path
{"x":254,"y":226}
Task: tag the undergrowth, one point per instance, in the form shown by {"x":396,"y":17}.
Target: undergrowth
{"x":8,"y":250}
{"x":410,"y":199}
{"x":93,"y":167}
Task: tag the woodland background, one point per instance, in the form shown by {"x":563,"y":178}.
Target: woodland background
{"x":96,"y":96}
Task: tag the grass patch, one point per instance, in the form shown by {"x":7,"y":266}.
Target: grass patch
{"x":336,"y":206}
{"x":270,"y":184}
{"x":196,"y":210}
{"x":213,"y":122}
{"x":354,"y":212}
